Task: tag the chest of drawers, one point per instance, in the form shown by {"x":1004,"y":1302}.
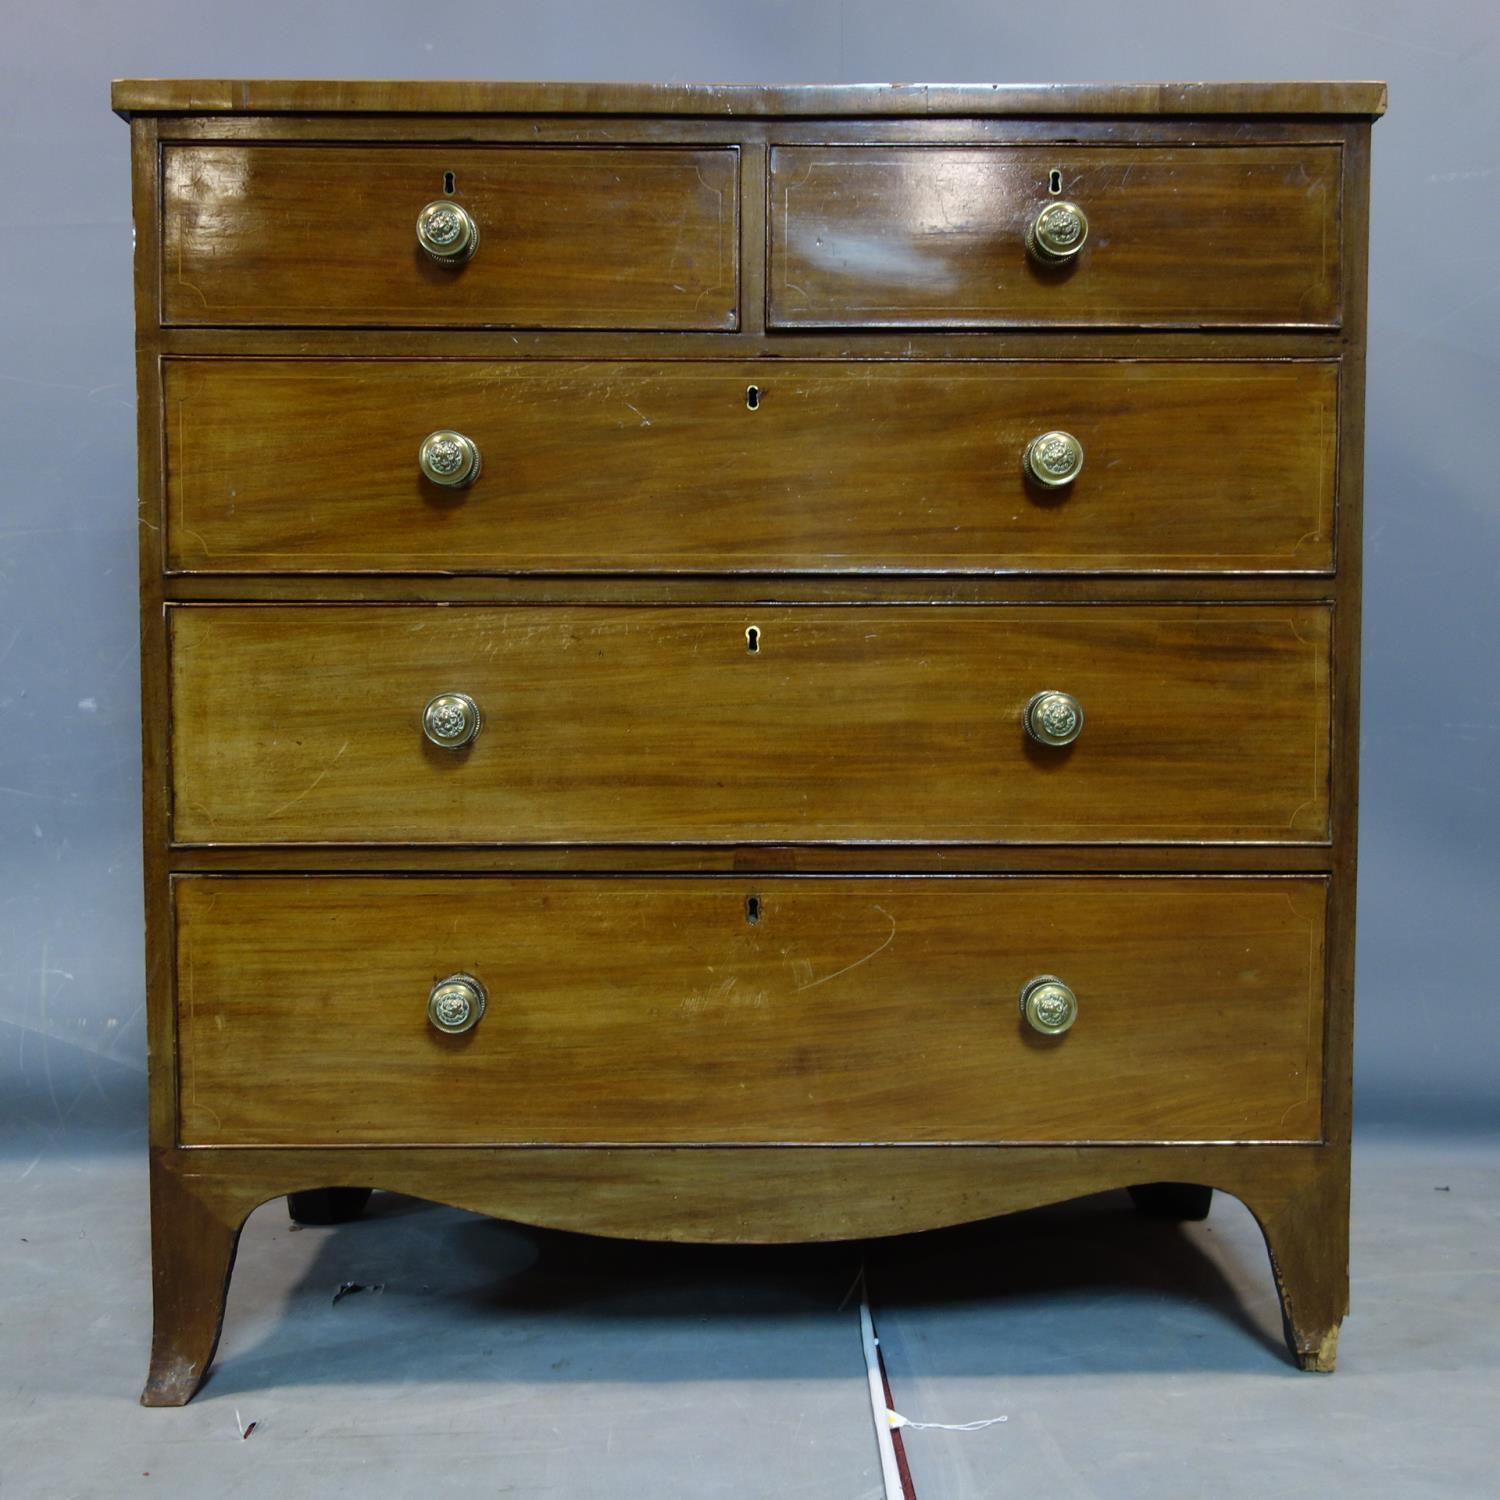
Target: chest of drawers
{"x":736,"y":664}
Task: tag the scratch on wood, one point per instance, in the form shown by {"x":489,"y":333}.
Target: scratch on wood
{"x":890,"y":937}
{"x":311,"y":786}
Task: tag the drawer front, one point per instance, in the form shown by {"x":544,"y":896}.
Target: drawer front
{"x":287,"y":465}
{"x":568,"y":237}
{"x":936,"y":236}
{"x":652,"y":1010}
{"x":660,"y":725}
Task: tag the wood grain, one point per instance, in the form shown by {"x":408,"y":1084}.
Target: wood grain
{"x":1344,"y":810}
{"x":569,"y":238}
{"x":291,"y":465}
{"x":156,"y":773}
{"x":780,"y":858}
{"x":193,"y":1245}
{"x":848,"y":724}
{"x":750,"y":588}
{"x":846,"y":345}
{"x":1192,"y":237}
{"x":656,"y":1011}
{"x":1299,"y":1194}
{"x":746,"y":132}
{"x":740,"y":100}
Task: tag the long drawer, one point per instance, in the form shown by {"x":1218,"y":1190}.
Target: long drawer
{"x":569,"y":237}
{"x":729,"y":1010}
{"x":1178,"y":236}
{"x":791,"y":466}
{"x":748,"y":724}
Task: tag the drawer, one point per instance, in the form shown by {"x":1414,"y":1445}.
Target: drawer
{"x":661,"y":724}
{"x":654,"y":1010}
{"x":1178,"y":236}
{"x":569,"y":237}
{"x":288,"y":465}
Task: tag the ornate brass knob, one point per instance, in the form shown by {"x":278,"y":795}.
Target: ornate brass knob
{"x":1054,"y":718}
{"x":1057,"y":233}
{"x":1054,"y":459}
{"x":1048,"y":1005}
{"x":457,"y":1003}
{"x":451,"y":720}
{"x":447,"y":232}
{"x":450,"y":459}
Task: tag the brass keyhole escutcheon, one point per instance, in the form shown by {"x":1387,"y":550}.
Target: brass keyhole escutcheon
{"x":752,"y":640}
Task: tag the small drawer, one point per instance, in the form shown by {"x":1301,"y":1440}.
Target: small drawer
{"x":567,"y":237}
{"x":776,"y":466}
{"x":681,"y":1011}
{"x":629,"y":725}
{"x":1155,"y":236}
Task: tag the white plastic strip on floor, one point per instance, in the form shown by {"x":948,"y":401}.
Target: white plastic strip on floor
{"x":890,"y":1476}
{"x":885,"y":1417}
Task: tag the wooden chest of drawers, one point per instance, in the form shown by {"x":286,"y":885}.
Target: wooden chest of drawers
{"x":740,"y":664}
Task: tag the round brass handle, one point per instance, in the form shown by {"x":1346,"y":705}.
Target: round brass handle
{"x":1054,"y":718}
{"x":1057,"y":233}
{"x":1048,"y":1005}
{"x":450,"y":459}
{"x":1054,"y":459}
{"x":447,"y":232}
{"x":456,"y":1004}
{"x":451,"y":720}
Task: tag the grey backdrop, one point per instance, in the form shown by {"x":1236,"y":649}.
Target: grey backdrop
{"x":72,"y":1038}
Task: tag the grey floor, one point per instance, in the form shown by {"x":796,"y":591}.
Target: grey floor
{"x":1131,"y":1359}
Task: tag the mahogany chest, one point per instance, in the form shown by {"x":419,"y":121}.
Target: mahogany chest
{"x":748,"y":664}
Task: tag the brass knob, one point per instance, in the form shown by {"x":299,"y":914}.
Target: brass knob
{"x":1054,"y":718}
{"x":457,"y":1003}
{"x":450,"y":459}
{"x":1048,"y":1005}
{"x":1057,"y":233}
{"x":451,"y":720}
{"x":1054,"y":459}
{"x":447,"y":232}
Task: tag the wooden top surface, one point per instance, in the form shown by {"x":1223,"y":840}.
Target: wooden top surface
{"x":131,"y":96}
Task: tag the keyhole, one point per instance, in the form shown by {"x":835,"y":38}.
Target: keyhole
{"x":752,"y":639}
{"x":448,"y":183}
{"x":1054,"y":182}
{"x":752,"y":398}
{"x":752,"y":910}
